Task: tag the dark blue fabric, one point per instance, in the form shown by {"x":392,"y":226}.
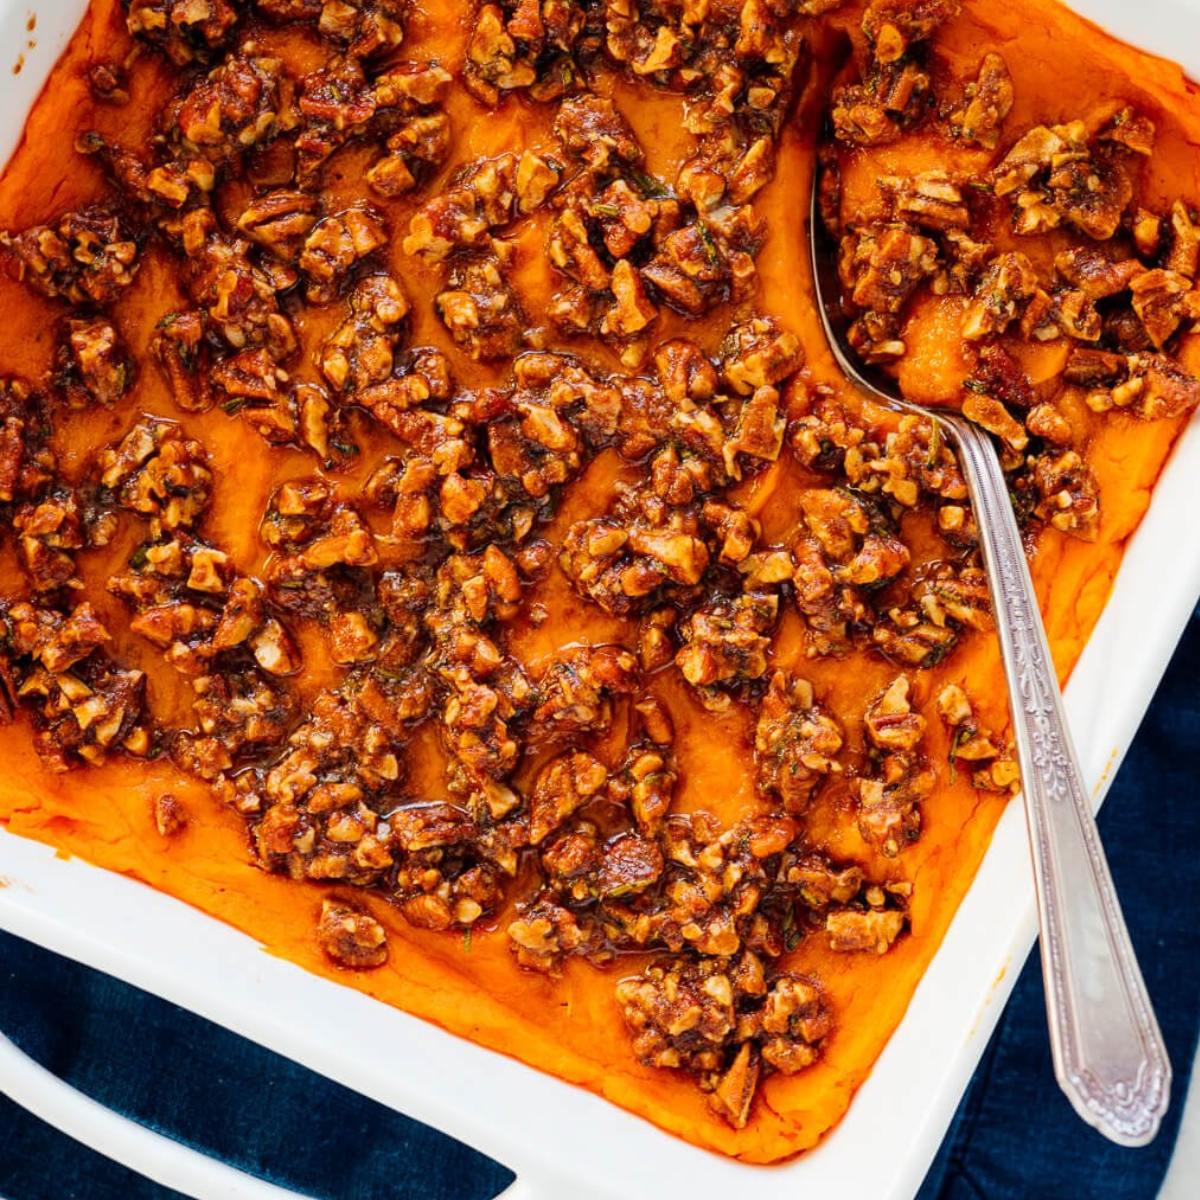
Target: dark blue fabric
{"x":1015,"y":1135}
{"x":1013,"y":1138}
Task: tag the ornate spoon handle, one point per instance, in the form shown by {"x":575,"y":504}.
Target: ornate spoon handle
{"x":1108,"y":1052}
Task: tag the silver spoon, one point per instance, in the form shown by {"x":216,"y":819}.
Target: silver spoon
{"x":1108,"y":1052}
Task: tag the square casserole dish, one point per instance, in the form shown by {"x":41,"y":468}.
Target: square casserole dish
{"x":558,"y":1138}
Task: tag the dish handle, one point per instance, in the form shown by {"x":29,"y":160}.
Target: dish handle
{"x":167,"y":1162}
{"x":162,"y":1159}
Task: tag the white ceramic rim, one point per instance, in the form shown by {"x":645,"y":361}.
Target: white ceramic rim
{"x":558,"y":1138}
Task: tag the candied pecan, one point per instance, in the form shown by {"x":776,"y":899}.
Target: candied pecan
{"x":795,"y":741}
{"x":83,"y":705}
{"x":409,"y":96}
{"x":48,"y":532}
{"x":819,"y":885}
{"x":593,"y":129}
{"x":1055,"y":176}
{"x":563,"y":786}
{"x":1000,"y":296}
{"x":959,"y":593}
{"x":681,"y":1012}
{"x":495,"y":62}
{"x":1094,"y":272}
{"x":881,"y":267}
{"x":367,"y":28}
{"x":179,"y":348}
{"x":706,"y":261}
{"x":575,"y":692}
{"x":1067,"y":493}
{"x":481,"y":311}
{"x":1152,"y":386}
{"x":837,"y":519}
{"x":987,"y":100}
{"x":156,"y":471}
{"x":280,"y":220}
{"x":108,"y":82}
{"x":56,"y":642}
{"x":759,"y":353}
{"x":1130,"y":130}
{"x":717,"y":1017}
{"x":1184,"y":253}
{"x":889,"y":720}
{"x":170,"y":815}
{"x":483,"y":196}
{"x":26,"y":463}
{"x":792,"y":1022}
{"x":86,"y":257}
{"x":361,"y":351}
{"x":319,"y":802}
{"x":988,"y":412}
{"x":929,"y":200}
{"x":182,"y":29}
{"x":876,"y":111}
{"x":888,"y":812}
{"x":892,"y":26}
{"x":831,"y":610}
{"x":92,"y":364}
{"x":334,"y":104}
{"x":351,"y":937}
{"x":727,"y":640}
{"x":631,"y":310}
{"x":241,"y":102}
{"x":976,"y":747}
{"x":543,"y":932}
{"x":240,"y":297}
{"x":334,"y":245}
{"x":1035,"y":151}
{"x":646,"y":783}
{"x":1163,"y":300}
{"x":870,"y":929}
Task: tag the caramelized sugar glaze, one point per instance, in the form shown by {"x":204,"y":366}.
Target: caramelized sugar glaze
{"x":439,"y":544}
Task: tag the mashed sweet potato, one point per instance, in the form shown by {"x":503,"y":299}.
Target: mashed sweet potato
{"x":437,"y":540}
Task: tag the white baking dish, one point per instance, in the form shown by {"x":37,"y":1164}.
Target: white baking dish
{"x":560,"y":1139}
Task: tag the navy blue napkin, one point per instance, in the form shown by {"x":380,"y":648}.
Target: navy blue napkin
{"x":1014,"y":1136}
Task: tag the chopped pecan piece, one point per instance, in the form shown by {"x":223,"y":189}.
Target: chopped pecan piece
{"x":796,"y":741}
{"x":481,"y":311}
{"x":334,"y":245}
{"x":351,"y":937}
{"x":986,"y":102}
{"x":183,"y":29}
{"x":87,"y":257}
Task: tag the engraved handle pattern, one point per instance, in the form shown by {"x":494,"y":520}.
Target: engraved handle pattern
{"x":1108,"y":1051}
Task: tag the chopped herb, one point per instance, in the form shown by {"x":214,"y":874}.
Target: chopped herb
{"x":791,"y":935}
{"x":139,"y":558}
{"x":961,"y":734}
{"x":467,"y":939}
{"x":975,"y":385}
{"x":710,"y":247}
{"x":605,"y":210}
{"x":234,"y":405}
{"x":937,"y":653}
{"x":647,"y":184}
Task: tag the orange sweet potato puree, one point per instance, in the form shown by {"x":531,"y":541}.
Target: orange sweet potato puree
{"x":1061,"y":66}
